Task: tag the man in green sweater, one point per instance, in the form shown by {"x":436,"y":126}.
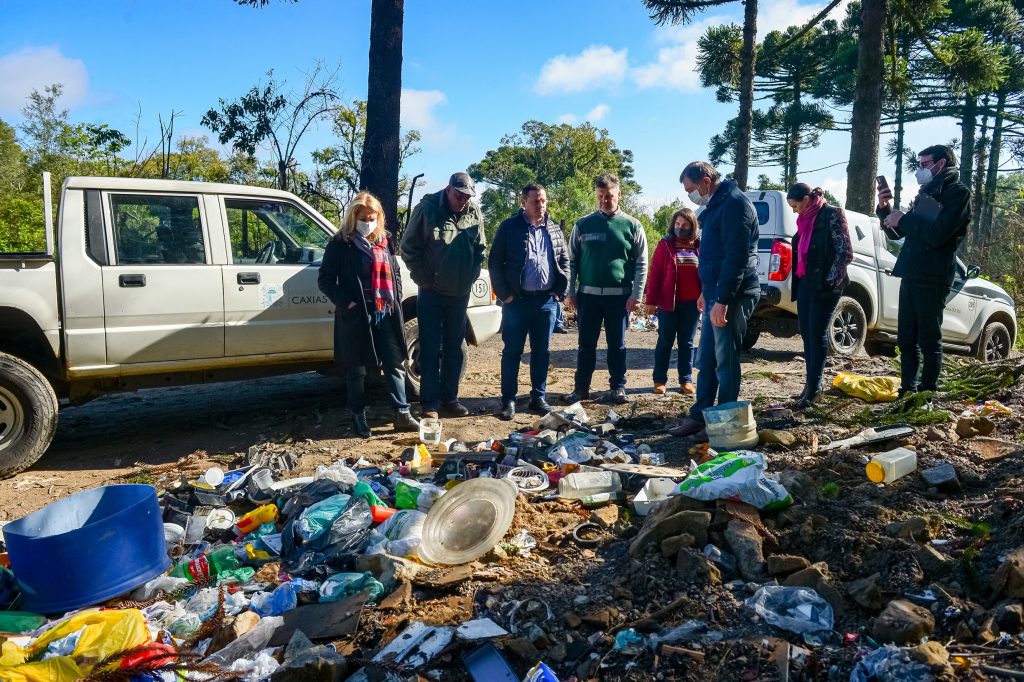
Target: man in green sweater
{"x":607,"y":273}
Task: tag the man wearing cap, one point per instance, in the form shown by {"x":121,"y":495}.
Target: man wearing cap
{"x":443,"y":246}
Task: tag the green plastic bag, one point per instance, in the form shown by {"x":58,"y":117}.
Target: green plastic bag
{"x":341,"y":585}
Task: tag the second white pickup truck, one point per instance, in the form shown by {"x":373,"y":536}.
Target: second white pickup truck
{"x":150,"y":283}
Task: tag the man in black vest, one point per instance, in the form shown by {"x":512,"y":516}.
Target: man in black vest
{"x":932,"y":230}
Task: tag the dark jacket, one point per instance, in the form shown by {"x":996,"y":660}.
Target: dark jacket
{"x":728,"y":247}
{"x":507,"y":259}
{"x":444,"y":251}
{"x":929,"y":251}
{"x":828,"y":255}
{"x":344,"y":278}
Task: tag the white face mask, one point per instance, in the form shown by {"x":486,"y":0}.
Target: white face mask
{"x":364,"y":227}
{"x":698,"y":198}
{"x":923,"y":175}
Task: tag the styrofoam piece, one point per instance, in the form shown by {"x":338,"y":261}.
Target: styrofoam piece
{"x":654,"y":492}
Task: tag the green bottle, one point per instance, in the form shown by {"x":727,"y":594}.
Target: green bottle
{"x":208,"y":565}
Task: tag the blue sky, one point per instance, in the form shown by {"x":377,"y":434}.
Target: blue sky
{"x":469,"y":77}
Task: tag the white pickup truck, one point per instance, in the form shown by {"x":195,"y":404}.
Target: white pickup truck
{"x":979,"y":319}
{"x":151,"y":283}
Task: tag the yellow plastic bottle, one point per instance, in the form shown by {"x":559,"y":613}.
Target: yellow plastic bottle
{"x":256,"y":518}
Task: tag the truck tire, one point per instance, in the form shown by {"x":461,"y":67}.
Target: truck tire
{"x":848,"y":329}
{"x":412,"y":365}
{"x":28,"y":415}
{"x":750,"y":338}
{"x":994,"y":343}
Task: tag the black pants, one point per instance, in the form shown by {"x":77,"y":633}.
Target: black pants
{"x":814,"y":309}
{"x":593,"y":311}
{"x":919,"y":334}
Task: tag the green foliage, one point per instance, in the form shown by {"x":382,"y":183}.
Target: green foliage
{"x":21,"y":223}
{"x":830,"y":490}
{"x":563,"y":158}
{"x":12,"y":161}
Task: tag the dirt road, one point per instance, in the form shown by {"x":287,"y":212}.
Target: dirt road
{"x":101,"y":442}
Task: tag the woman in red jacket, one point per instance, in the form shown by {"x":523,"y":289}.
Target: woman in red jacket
{"x":673,"y":289}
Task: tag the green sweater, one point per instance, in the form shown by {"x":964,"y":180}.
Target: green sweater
{"x":608,"y":255}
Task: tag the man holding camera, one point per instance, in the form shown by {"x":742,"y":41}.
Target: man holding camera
{"x":932,"y":230}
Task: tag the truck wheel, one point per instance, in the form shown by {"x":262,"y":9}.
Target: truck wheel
{"x":412,"y":365}
{"x":848,"y":329}
{"x":28,"y":415}
{"x":994,"y":343}
{"x":750,"y":338}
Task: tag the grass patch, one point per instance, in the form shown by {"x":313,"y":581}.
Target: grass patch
{"x":915,"y":409}
{"x":140,"y":478}
{"x":977,"y":529}
{"x":829,"y":490}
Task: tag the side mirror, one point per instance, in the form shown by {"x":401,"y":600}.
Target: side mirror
{"x":973,"y":271}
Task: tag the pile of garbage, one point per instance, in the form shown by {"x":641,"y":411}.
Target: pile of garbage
{"x":429,"y":566}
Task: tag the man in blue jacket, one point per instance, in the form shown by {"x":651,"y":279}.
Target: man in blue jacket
{"x":728,"y":275}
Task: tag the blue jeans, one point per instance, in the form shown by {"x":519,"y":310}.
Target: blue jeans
{"x":442,"y":321}
{"x":814,"y":310}
{"x":718,"y":357}
{"x":592,"y":312}
{"x":559,"y":319}
{"x":530,"y":315}
{"x":388,"y":343}
{"x":680,"y":324}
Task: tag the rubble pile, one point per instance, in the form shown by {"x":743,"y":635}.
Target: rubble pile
{"x":588,"y":545}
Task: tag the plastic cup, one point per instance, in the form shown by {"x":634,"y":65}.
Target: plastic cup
{"x":220,"y":519}
{"x":260,"y":484}
{"x":173,"y":533}
{"x":430,"y":431}
{"x":212,"y":477}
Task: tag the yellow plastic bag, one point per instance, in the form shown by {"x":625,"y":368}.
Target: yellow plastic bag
{"x":871,"y":389}
{"x":58,"y":669}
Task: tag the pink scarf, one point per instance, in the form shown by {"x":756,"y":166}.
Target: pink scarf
{"x":804,"y":230}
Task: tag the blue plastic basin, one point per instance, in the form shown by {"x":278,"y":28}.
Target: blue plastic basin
{"x":87,"y":548}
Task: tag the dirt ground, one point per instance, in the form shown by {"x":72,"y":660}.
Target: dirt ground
{"x":949,"y":552}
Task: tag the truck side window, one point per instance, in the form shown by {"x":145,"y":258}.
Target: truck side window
{"x":157,"y":230}
{"x":271,"y":232}
{"x":95,"y":237}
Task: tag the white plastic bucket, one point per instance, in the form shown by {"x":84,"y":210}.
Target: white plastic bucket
{"x":731,"y":425}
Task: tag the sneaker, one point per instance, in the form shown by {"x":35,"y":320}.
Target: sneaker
{"x":508,"y":410}
{"x":688,"y":427}
{"x":404,"y":422}
{"x":617,"y":396}
{"x":688,"y":388}
{"x":577,"y":395}
{"x":659,"y":389}
{"x":360,"y":426}
{"x":454,"y":409}
{"x":540,"y":406}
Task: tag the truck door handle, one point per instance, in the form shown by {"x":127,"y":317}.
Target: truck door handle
{"x":888,"y":271}
{"x":248,"y":278}
{"x":131,"y":280}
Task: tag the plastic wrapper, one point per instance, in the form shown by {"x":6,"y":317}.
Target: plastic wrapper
{"x":890,"y":663}
{"x":337,"y":472}
{"x":871,"y":389}
{"x":333,"y":550}
{"x":411,"y":494}
{"x":248,"y":644}
{"x":317,"y":518}
{"x":204,"y":603}
{"x":797,"y":609}
{"x":259,"y":668}
{"x":735,"y":475}
{"x":311,"y":493}
{"x":576,"y":447}
{"x":282,"y":598}
{"x":341,"y":585}
{"x":989,"y":408}
{"x":163,"y":583}
{"x":403,"y":532}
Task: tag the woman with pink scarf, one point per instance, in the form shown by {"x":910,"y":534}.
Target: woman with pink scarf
{"x":821,"y":252}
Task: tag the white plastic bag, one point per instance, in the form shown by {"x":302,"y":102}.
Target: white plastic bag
{"x":404,"y":531}
{"x":737,"y":474}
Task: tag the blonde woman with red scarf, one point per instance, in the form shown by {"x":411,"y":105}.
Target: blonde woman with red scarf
{"x":673,"y":288}
{"x":360,"y":276}
{"x":821,"y":251}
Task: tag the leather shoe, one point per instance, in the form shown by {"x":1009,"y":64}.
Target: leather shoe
{"x":430,"y":414}
{"x":807,"y":400}
{"x":688,"y":427}
{"x":540,"y":406}
{"x":404,"y":422}
{"x":455,"y":409}
{"x":659,"y":389}
{"x":618,"y":396}
{"x":508,"y":410}
{"x":689,"y":388}
{"x":577,"y":395}
{"x":561,"y":330}
{"x":359,"y":425}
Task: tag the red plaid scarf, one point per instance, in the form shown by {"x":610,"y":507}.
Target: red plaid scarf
{"x":382,"y":282}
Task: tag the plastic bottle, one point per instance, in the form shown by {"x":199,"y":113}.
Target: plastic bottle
{"x":579,"y":485}
{"x":888,"y":466}
{"x":256,"y":518}
{"x":207,"y":565}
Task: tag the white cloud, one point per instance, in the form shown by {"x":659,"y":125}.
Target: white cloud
{"x":837,"y":186}
{"x":418,"y":113}
{"x":568,"y":118}
{"x":598,"y":66}
{"x":597,"y":113}
{"x":33,"y":68}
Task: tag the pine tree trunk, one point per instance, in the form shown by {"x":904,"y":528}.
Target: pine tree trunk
{"x":282,"y":174}
{"x":993,"y":168}
{"x":968,"y":124}
{"x":380,"y":162}
{"x":746,"y":122}
{"x":901,"y":133}
{"x":979,"y":176}
{"x":867,"y":109}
